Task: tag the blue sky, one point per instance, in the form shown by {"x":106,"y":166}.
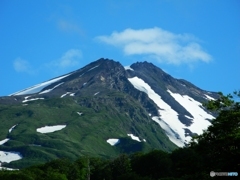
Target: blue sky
{"x":195,"y":40}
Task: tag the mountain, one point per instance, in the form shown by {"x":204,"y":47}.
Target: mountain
{"x":102,"y":109}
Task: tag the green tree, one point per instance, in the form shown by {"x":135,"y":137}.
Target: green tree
{"x":98,"y":168}
{"x":188,"y":164}
{"x":119,"y":166}
{"x":83,"y":166}
{"x":155,"y":164}
{"x":219,"y":145}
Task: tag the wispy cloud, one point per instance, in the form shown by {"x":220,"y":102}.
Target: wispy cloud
{"x":21,"y":65}
{"x":69,"y":59}
{"x":69,"y":27}
{"x":162,"y":45}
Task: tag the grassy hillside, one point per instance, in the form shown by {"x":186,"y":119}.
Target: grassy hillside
{"x":108,"y":116}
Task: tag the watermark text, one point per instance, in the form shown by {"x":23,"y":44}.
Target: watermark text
{"x":212,"y":173}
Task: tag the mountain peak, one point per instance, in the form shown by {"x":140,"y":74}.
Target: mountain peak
{"x":144,"y":63}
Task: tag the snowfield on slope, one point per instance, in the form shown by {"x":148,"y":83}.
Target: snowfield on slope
{"x":50,"y":129}
{"x":168,"y":118}
{"x":200,"y":117}
{"x":37,"y":88}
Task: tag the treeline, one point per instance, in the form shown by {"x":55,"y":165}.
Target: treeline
{"x":181,"y":164}
{"x":217,"y":149}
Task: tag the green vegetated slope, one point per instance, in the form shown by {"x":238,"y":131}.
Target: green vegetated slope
{"x":112,"y":115}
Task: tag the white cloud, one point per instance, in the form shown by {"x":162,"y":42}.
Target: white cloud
{"x":159,"y":44}
{"x":21,"y":65}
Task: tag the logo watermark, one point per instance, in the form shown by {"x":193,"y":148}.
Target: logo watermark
{"x":212,"y":173}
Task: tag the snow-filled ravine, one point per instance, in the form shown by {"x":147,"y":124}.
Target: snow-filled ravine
{"x":65,"y":94}
{"x":209,"y":97}
{"x":4,"y":141}
{"x":10,"y":130}
{"x":7,"y":139}
{"x":33,"y":99}
{"x":134,"y":137}
{"x":50,"y":129}
{"x":168,"y":117}
{"x":49,"y":90}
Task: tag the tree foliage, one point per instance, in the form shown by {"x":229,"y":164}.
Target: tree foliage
{"x":220,"y":143}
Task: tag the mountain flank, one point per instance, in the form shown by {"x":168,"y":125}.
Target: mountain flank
{"x":103,"y":109}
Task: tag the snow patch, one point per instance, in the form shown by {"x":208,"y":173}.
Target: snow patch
{"x":93,"y":68}
{"x":134,"y":137}
{"x":113,"y":142}
{"x":72,"y":94}
{"x":96,"y":93}
{"x":79,"y":113}
{"x":48,"y":90}
{"x":50,"y":129}
{"x":33,"y":99}
{"x":65,"y":94}
{"x":128,"y":68}
{"x":89,"y":70}
{"x":26,"y":97}
{"x":9,"y":156}
{"x":10,"y":130}
{"x":210,"y":98}
{"x":4,"y":141}
{"x":5,"y":168}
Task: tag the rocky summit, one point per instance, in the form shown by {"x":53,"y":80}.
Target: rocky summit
{"x":102,"y":109}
